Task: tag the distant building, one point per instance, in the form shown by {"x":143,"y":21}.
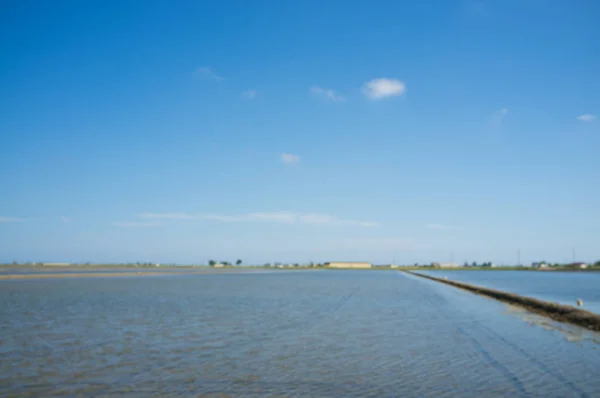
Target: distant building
{"x":342,"y":264}
{"x":445,"y":265}
{"x":394,"y":266}
{"x":541,"y":264}
{"x":219,"y":265}
{"x":56,"y":264}
{"x":578,"y":265}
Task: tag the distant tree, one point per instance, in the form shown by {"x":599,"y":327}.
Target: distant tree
{"x":474,"y":264}
{"x":267,"y":265}
{"x":597,"y":263}
{"x":296,"y":265}
{"x":238,"y":262}
{"x":466,"y":264}
{"x":416,"y":264}
{"x":212,"y":263}
{"x":225,"y":263}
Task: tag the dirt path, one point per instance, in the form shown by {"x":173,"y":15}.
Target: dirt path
{"x":557,"y":312}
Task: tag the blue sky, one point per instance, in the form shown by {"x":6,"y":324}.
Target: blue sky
{"x":295,"y":131}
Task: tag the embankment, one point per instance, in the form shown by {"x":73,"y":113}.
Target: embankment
{"x":557,"y":312}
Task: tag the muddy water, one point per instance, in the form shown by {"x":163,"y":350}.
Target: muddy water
{"x":558,"y":287}
{"x":312,"y":334}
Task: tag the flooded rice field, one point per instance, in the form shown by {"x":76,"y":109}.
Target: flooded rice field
{"x":555,"y":286}
{"x":301,"y":334}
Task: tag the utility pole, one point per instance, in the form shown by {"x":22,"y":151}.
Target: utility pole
{"x":519,"y":257}
{"x":573,"y":255}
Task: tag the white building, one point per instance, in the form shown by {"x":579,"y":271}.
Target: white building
{"x":445,"y":265}
{"x":578,"y":265}
{"x":341,"y":264}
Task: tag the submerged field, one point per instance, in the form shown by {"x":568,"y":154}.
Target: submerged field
{"x":313,"y":334}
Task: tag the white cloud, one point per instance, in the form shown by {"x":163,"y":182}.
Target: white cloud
{"x":283,"y":217}
{"x":168,"y":216}
{"x":327,"y":93}
{"x":135,"y":224}
{"x":249,"y":94}
{"x":10,"y":219}
{"x":286,"y":217}
{"x":586,"y":117}
{"x":378,"y":89}
{"x":208,"y":73}
{"x":326,"y":219}
{"x":217,"y":217}
{"x":371,"y":243}
{"x":289,"y":158}
{"x":441,"y":226}
{"x":64,"y":219}
{"x":498,"y":117}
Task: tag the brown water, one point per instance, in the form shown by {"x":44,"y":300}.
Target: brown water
{"x":308,"y":334}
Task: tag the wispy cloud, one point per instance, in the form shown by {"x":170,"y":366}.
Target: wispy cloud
{"x":136,"y":224}
{"x":442,"y":226}
{"x":378,"y":89}
{"x":289,"y":158}
{"x":64,"y":219}
{"x":327,"y":93}
{"x":586,"y":117}
{"x":326,"y":219}
{"x":371,"y":243}
{"x":209,"y":74}
{"x":498,"y":117}
{"x":10,"y":219}
{"x":249,"y":94}
{"x":292,"y":218}
{"x":168,"y":216}
{"x":282,"y":217}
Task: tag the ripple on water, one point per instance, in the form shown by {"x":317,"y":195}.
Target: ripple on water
{"x":326,"y":334}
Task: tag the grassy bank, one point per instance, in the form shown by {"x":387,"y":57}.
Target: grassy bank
{"x":557,"y":312}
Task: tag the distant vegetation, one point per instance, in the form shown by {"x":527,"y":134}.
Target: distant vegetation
{"x":239,"y":262}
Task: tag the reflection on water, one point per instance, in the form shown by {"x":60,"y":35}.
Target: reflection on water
{"x":310,"y":333}
{"x":570,"y":332}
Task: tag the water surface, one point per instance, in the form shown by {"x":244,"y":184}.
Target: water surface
{"x":305,"y":334}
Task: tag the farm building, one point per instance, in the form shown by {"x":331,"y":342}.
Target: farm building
{"x":445,"y":265}
{"x":342,"y":264}
{"x":578,"y":265}
{"x":56,"y":264}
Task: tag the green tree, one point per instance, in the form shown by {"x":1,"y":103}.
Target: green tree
{"x":597,"y":263}
{"x":212,"y":263}
{"x":474,"y":264}
{"x":238,"y":262}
